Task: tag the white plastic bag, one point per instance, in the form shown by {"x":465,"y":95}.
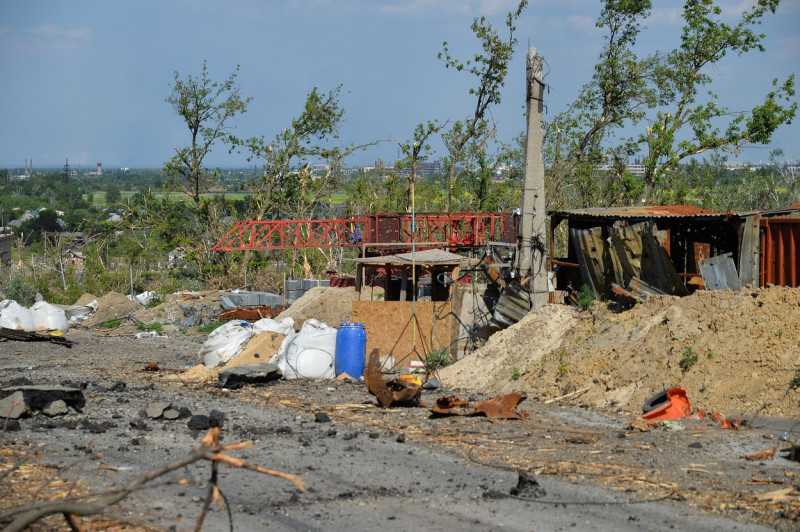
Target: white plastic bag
{"x":225,"y":342}
{"x":15,"y":316}
{"x":47,"y":317}
{"x":309,"y":354}
{"x":284,"y":327}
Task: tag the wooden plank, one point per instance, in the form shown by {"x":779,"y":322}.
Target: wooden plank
{"x":391,"y":329}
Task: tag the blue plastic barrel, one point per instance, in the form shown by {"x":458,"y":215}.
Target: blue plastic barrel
{"x":351,"y":349}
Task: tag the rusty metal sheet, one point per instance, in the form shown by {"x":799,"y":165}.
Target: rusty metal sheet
{"x":749,"y":251}
{"x":373,"y":378}
{"x":719,"y":273}
{"x":500,"y":407}
{"x":780,"y":252}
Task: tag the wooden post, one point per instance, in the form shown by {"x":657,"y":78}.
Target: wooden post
{"x":533,"y":223}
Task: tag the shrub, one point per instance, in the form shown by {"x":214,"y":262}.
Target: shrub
{"x":437,"y":359}
{"x":586,"y":297}
{"x":689,"y":359}
{"x":17,"y":289}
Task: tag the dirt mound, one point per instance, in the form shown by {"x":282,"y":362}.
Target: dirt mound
{"x":85,"y":299}
{"x":111,"y":306}
{"x":329,"y":305}
{"x":734,"y":352}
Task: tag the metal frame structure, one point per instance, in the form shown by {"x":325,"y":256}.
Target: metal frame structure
{"x":457,"y":230}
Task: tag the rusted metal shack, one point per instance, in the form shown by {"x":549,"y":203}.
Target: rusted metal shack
{"x":404,"y":326}
{"x":631,"y":252}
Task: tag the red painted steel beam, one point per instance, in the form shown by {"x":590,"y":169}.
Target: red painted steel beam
{"x":461,"y":229}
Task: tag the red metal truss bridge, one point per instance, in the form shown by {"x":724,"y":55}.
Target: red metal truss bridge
{"x":456,"y":230}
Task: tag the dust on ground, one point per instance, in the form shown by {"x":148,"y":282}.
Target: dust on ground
{"x":733,"y":352}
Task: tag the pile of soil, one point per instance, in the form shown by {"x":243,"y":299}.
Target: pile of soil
{"x":733,"y":352}
{"x":112,"y":306}
{"x":329,"y":305}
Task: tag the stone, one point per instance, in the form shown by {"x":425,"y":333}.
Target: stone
{"x":14,"y":406}
{"x":56,"y":408}
{"x":321,"y":417}
{"x":37,"y":397}
{"x":198,"y":422}
{"x":253,"y":374}
{"x":154,"y":410}
{"x":171,"y":413}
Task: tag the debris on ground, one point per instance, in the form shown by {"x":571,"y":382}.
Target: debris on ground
{"x":624,"y":357}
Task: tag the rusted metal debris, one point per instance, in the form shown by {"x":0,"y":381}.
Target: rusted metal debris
{"x":374,"y":380}
{"x":25,"y":336}
{"x":249,"y":313}
{"x":500,"y":407}
{"x":763,"y":455}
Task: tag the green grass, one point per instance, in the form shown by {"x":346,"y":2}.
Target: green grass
{"x":689,"y":359}
{"x":210,"y":327}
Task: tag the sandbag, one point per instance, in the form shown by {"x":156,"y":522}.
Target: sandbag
{"x":225,"y":342}
{"x":47,"y":317}
{"x":284,"y":327}
{"x":309,"y":354}
{"x":15,"y":316}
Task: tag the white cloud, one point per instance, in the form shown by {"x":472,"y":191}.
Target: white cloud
{"x":53,"y":31}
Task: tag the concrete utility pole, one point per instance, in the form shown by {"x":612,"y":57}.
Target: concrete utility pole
{"x":533,"y":225}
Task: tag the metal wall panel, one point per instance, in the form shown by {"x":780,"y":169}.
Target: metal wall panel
{"x":780,"y":252}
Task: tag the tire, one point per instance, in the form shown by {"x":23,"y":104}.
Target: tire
{"x":654,"y":402}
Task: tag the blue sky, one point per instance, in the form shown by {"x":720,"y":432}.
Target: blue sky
{"x":87,"y":79}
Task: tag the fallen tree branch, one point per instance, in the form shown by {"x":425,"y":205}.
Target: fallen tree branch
{"x":210,"y":449}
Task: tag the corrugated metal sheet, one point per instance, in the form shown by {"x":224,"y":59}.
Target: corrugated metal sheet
{"x":719,"y":273}
{"x":649,"y":211}
{"x":780,"y":251}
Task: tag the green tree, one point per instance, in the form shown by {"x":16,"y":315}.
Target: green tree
{"x":664,"y":90}
{"x":207,"y":107}
{"x":113,"y":193}
{"x":413,"y":152}
{"x":469,"y":137}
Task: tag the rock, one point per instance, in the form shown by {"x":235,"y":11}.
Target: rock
{"x":216,"y":419}
{"x":38,"y":397}
{"x":14,"y":406}
{"x":171,"y":413}
{"x":527,"y":487}
{"x":238,"y":376}
{"x":432,"y":384}
{"x":56,"y":408}
{"x":198,"y":422}
{"x":154,"y":410}
{"x":321,"y":417}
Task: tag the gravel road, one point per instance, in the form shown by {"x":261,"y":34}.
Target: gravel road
{"x":368,"y":468}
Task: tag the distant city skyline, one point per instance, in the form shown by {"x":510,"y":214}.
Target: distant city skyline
{"x":87,"y":81}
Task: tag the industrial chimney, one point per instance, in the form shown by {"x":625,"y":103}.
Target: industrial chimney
{"x":99,"y":168}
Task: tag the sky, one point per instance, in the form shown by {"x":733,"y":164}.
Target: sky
{"x":87,"y":80}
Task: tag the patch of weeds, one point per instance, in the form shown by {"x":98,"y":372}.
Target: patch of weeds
{"x":154,"y":302}
{"x":111,"y":324}
{"x":710,"y":355}
{"x":702,"y":388}
{"x":689,"y":359}
{"x":664,"y":320}
{"x":586,"y":297}
{"x":796,"y":380}
{"x":515,"y":374}
{"x":210,"y":327}
{"x":141,"y":326}
{"x":563,"y":369}
{"x":780,"y":333}
{"x":437,"y":359}
{"x":157,"y":327}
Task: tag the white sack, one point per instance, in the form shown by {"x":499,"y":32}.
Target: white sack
{"x":309,"y":354}
{"x":47,"y":317}
{"x":143,"y":298}
{"x":284,"y":327}
{"x":225,"y":342}
{"x":15,"y":316}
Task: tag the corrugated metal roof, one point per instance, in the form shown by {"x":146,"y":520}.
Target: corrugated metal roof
{"x":425,"y":257}
{"x":647,"y":211}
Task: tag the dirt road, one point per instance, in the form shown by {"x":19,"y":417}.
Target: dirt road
{"x":367,"y":468}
